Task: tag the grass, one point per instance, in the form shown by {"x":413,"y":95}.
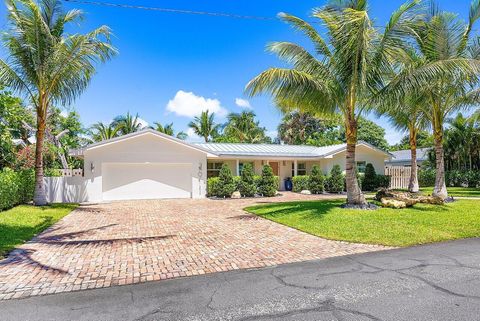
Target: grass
{"x":21,"y":223}
{"x":456,"y":191}
{"x":420,"y":224}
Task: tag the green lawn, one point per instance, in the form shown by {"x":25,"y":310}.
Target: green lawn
{"x":21,"y":223}
{"x":456,"y":191}
{"x":417,"y":225}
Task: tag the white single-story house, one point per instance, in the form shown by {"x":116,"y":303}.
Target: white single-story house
{"x":151,"y":165}
{"x":403,"y":158}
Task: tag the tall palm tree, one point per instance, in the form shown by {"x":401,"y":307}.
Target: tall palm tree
{"x":243,"y":128}
{"x":447,"y":76}
{"x":343,"y":73}
{"x":205,"y":126}
{"x":168,"y":130}
{"x":100,"y":131}
{"x":48,"y":65}
{"x":127,"y":124}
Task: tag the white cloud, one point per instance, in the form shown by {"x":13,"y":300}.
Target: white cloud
{"x":189,"y":105}
{"x":192,"y":137}
{"x":393,"y":137}
{"x":243,"y":103}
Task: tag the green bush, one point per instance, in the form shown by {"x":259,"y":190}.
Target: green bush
{"x":15,"y":187}
{"x":453,"y":178}
{"x":226,"y":182}
{"x":383,"y":181}
{"x":52,"y":172}
{"x":335,"y":180}
{"x":369,"y":182}
{"x":316,"y":182}
{"x":268,"y":182}
{"x":247,"y":185}
{"x":300,"y":183}
{"x":426,"y":177}
{"x":213,"y":186}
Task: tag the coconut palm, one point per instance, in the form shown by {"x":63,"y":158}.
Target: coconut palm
{"x":243,"y":128}
{"x":168,"y":129}
{"x":342,"y":74}
{"x":100,"y":131}
{"x":447,"y":75}
{"x":48,"y":65}
{"x":127,"y":124}
{"x":205,"y":126}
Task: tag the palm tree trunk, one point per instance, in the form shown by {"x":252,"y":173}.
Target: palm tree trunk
{"x":440,"y":189}
{"x":354,"y":193}
{"x":413,"y":184}
{"x":39,"y":196}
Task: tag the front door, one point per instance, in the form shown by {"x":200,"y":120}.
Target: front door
{"x":275,"y":168}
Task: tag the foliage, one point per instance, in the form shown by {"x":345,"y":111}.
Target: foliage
{"x":300,"y":183}
{"x":370,"y":132}
{"x":15,"y":187}
{"x":297,"y":128}
{"x":420,"y":224}
{"x":226,"y":182}
{"x":316,"y":181}
{"x":247,"y":185}
{"x":453,"y":178}
{"x":100,"y":131}
{"x":382,"y":181}
{"x":243,"y":128}
{"x":23,"y":222}
{"x":25,"y":157}
{"x":426,"y":177}
{"x":369,"y":182}
{"x":127,"y":124}
{"x":424,"y":140}
{"x":268,"y":184}
{"x":334,"y":182}
{"x":205,"y":126}
{"x":168,"y":130}
{"x":213,"y":186}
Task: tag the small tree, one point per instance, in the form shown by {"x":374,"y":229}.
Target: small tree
{"x":316,"y":181}
{"x":247,"y":184}
{"x":267,"y":185}
{"x":335,"y":180}
{"x":226,"y":182}
{"x":370,"y":178}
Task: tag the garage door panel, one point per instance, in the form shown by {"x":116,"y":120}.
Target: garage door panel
{"x":146,"y":181}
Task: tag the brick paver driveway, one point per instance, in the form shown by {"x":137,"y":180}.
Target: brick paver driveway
{"x":100,"y":245}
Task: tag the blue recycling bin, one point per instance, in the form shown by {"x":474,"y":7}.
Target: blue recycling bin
{"x":288,"y":184}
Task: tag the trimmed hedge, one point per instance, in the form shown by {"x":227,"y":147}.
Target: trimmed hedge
{"x":316,"y":182}
{"x":16,"y":187}
{"x":300,"y":183}
{"x":247,"y":185}
{"x":268,"y":183}
{"x":335,"y":181}
{"x":453,"y":178}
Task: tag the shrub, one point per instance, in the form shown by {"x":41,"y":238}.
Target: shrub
{"x":247,"y":185}
{"x":300,"y":183}
{"x":426,"y":177}
{"x":268,"y":182}
{"x":226,"y":182}
{"x":335,"y":180}
{"x":213,"y":186}
{"x":316,"y":182}
{"x":383,"y":181}
{"x":15,"y":187}
{"x":369,"y":182}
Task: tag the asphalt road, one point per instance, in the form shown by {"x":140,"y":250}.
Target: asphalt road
{"x":433,"y":282}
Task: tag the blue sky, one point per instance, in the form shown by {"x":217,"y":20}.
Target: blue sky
{"x":190,"y":60}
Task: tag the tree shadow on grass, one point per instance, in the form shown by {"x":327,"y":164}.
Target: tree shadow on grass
{"x":320,"y":208}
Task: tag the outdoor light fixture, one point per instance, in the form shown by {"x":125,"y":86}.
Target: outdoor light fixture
{"x":92,"y":167}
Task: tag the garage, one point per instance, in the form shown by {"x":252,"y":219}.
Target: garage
{"x":146,"y":181}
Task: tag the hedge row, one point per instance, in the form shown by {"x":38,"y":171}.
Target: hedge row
{"x":248,"y":184}
{"x":16,"y":187}
{"x":454,"y":178}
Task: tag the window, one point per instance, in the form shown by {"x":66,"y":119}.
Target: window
{"x":361,"y":167}
{"x":301,"y":169}
{"x":213,"y":169}
{"x":240,"y":167}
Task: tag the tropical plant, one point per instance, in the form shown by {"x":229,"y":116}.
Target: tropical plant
{"x":48,"y":65}
{"x":446,"y":75}
{"x":347,"y":71}
{"x":168,"y":130}
{"x":127,"y":124}
{"x":243,"y":128}
{"x":100,"y":131}
{"x":205,"y":126}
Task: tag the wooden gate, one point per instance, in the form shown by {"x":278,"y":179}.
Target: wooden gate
{"x":399,"y":176}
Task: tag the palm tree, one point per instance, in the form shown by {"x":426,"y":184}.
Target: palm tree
{"x":100,"y":131}
{"x":205,"y":126}
{"x":168,"y":130}
{"x":127,"y":124}
{"x":343,"y":73}
{"x":447,"y":76}
{"x":48,"y":65}
{"x":243,"y":128}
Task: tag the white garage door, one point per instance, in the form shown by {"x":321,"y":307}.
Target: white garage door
{"x":146,"y":181}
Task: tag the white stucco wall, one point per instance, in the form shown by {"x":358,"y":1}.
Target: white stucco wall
{"x":66,"y":189}
{"x":147,"y":148}
{"x":362,"y":153}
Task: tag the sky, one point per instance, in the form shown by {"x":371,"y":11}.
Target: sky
{"x":171,"y":66}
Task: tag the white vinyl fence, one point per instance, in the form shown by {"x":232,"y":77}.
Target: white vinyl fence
{"x":399,"y":176}
{"x":66,"y":189}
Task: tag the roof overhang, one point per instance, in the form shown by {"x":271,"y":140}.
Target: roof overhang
{"x":81,"y":151}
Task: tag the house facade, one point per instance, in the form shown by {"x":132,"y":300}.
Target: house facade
{"x":151,"y":165}
{"x":403,"y":158}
